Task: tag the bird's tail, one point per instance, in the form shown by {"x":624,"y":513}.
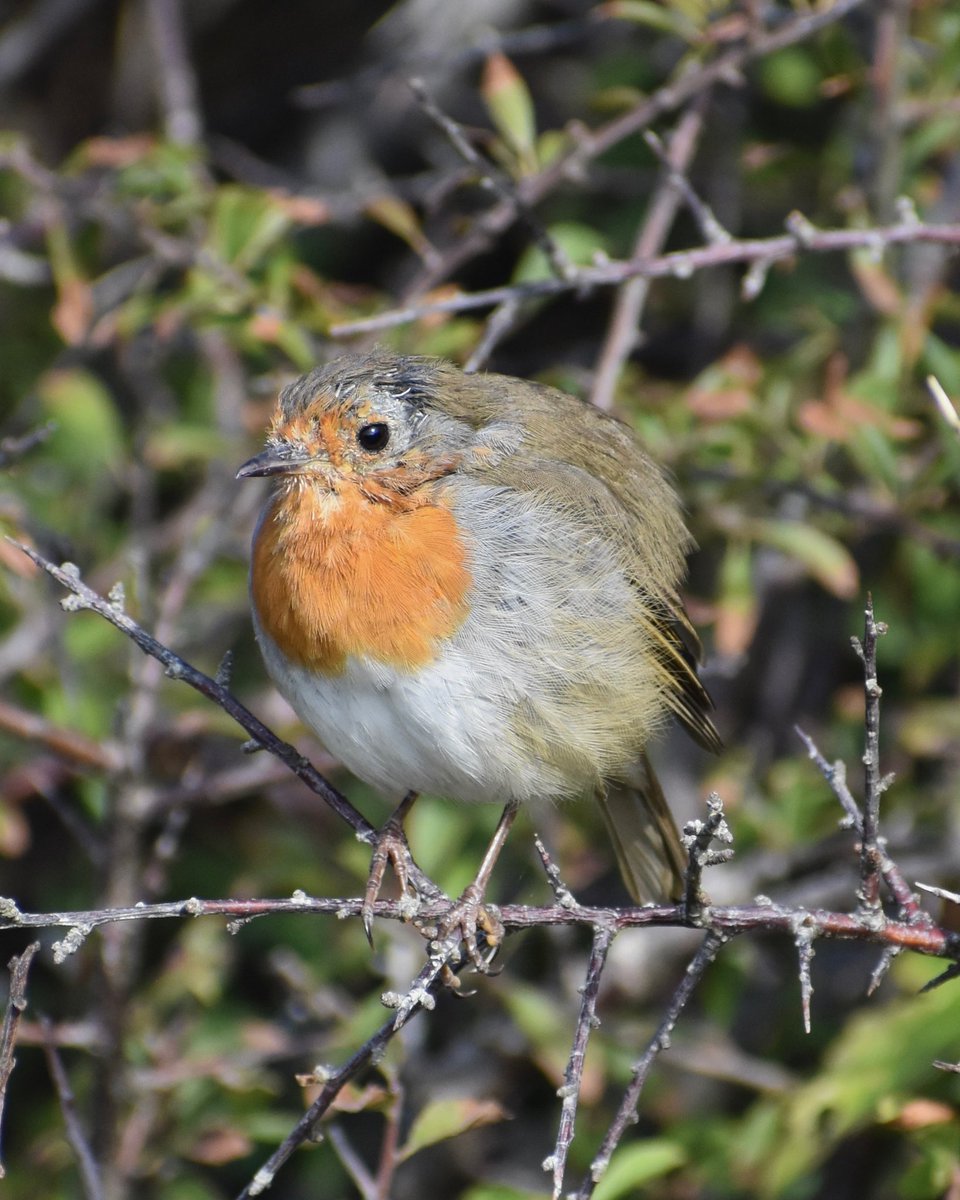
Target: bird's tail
{"x":644,"y":835}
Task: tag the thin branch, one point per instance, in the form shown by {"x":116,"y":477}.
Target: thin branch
{"x":623,"y":332}
{"x":680,"y":264}
{"x":727,"y":920}
{"x":176,"y":80}
{"x":804,"y":937}
{"x":420,"y":996}
{"x":14,"y":448}
{"x":603,"y":936}
{"x":945,"y":405}
{"x":673,"y":95}
{"x":709,"y":948}
{"x":89,"y":1170}
{"x":561,"y":892}
{"x":352,"y":1163}
{"x":871,"y":856}
{"x":836,"y":776}
{"x":503,"y":318}
{"x":84,"y":751}
{"x":710,"y":228}
{"x":85,"y":598}
{"x":16,"y":1003}
{"x":493,"y":180}
{"x":698,"y":837}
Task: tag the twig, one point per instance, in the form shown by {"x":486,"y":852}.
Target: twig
{"x":497,"y":326}
{"x":879,"y":972}
{"x":306,"y":1128}
{"x":420,"y":996}
{"x":89,"y":1170}
{"x":697,"y":839}
{"x":603,"y":936}
{"x":16,"y":1003}
{"x":561,"y":892}
{"x":672,"y":96}
{"x":836,"y":776}
{"x":493,"y":180}
{"x":624,"y":330}
{"x":804,"y":937}
{"x":728,"y":920}
{"x":352,"y":1163}
{"x":709,"y":948}
{"x":13,"y":448}
{"x":944,"y":404}
{"x":25,"y":39}
{"x":679,"y":264}
{"x":871,"y":857}
{"x":710,"y":228}
{"x":66,"y":742}
{"x":83,"y":597}
{"x":176,"y":80}
{"x":389,"y":1158}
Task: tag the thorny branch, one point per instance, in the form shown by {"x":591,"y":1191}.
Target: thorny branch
{"x":569,"y":1093}
{"x":626,"y":1114}
{"x":725,"y":68}
{"x":85,"y":598}
{"x":679,"y":264}
{"x":871,"y":856}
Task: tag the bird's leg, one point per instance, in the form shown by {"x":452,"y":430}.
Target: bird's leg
{"x":390,"y":846}
{"x":468,"y":915}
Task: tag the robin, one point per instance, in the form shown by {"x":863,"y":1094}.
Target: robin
{"x":467,"y":585}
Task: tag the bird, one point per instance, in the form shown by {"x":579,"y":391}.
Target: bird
{"x":467,"y":585}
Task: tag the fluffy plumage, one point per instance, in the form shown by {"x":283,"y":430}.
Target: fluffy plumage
{"x":484,"y":607}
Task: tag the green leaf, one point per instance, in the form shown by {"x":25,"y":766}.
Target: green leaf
{"x":636,"y":1165}
{"x":245,"y":224}
{"x":88,"y":438}
{"x":656,"y":16}
{"x":791,"y":77}
{"x":444,"y":1119}
{"x":580,"y":243}
{"x":827,"y":560}
{"x":510,"y":106}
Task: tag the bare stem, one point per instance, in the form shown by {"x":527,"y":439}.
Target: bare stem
{"x":603,"y":936}
{"x":709,"y":948}
{"x":16,"y":1003}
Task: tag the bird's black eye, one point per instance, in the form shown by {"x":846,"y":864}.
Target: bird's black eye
{"x":373,"y":437}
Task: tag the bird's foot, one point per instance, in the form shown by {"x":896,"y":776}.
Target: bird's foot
{"x":390,"y":847}
{"x":468,"y":932}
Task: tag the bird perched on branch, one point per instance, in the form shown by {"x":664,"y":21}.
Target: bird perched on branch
{"x":467,"y":585}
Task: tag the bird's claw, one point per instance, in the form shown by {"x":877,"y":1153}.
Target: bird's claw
{"x":456,"y":934}
{"x":390,"y":847}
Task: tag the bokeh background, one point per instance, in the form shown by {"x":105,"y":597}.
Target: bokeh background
{"x":197,"y":201}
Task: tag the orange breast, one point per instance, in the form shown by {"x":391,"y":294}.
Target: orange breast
{"x":335,"y":575}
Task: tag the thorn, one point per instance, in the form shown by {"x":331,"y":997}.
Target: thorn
{"x":882,"y":967}
{"x":944,"y":977}
{"x":804,"y":942}
{"x":224,"y":671}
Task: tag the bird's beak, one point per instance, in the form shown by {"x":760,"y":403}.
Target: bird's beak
{"x":272,"y":461}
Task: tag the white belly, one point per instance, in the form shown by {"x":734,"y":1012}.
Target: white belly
{"x":437,"y":732}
